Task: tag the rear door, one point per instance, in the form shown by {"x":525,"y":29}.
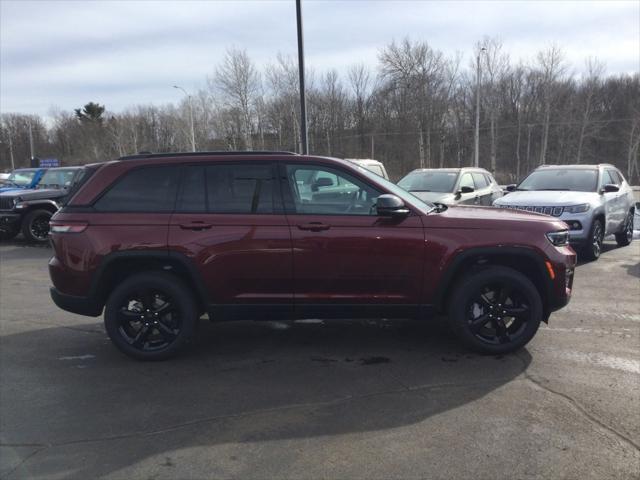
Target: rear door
{"x":347,"y":260}
{"x":611,"y":203}
{"x":230,"y":224}
{"x":483,"y":190}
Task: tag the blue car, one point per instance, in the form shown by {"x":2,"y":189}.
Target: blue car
{"x":23,"y":178}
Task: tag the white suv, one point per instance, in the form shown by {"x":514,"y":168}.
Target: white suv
{"x":593,"y":200}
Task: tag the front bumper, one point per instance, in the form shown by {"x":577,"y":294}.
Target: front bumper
{"x":9,"y":221}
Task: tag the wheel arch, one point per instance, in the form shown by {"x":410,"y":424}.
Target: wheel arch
{"x":117,"y":266}
{"x":521,"y":259}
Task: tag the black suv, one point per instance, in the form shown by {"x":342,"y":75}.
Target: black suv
{"x":29,"y":211}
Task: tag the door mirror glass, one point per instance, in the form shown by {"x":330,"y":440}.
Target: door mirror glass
{"x":322,"y":182}
{"x":610,"y":188}
{"x":389,"y":205}
{"x":466,"y":189}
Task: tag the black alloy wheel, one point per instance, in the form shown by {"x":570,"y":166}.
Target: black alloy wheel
{"x":625,"y":237}
{"x":593,"y":249}
{"x":495,"y":310}
{"x":35,"y":226}
{"x":151,"y":315}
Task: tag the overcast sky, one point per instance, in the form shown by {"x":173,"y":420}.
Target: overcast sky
{"x":65,"y":54}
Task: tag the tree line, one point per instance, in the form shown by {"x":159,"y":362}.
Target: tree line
{"x":416,"y":108}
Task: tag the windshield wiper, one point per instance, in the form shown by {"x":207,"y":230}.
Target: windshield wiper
{"x":411,"y":191}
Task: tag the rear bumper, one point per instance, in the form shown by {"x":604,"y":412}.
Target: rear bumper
{"x":79,"y":305}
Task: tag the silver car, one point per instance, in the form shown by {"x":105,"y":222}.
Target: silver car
{"x":593,"y":200}
{"x":452,"y":186}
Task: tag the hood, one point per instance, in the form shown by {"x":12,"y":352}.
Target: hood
{"x":34,"y":194}
{"x":547,"y":198}
{"x":446,"y":198}
{"x":489,"y":218}
{"x":10,"y":189}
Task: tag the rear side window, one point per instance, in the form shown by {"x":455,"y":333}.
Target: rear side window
{"x":480,"y":180}
{"x":240,"y":188}
{"x":193,"y":196}
{"x":150,"y":189}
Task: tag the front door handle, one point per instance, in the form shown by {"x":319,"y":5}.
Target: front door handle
{"x":314,"y":226}
{"x":197,"y":226}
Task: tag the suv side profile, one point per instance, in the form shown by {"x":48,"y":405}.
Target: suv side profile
{"x":452,"y":186}
{"x":593,"y":200}
{"x":158,"y":240}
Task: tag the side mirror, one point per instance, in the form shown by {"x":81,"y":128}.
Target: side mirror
{"x":464,"y":189}
{"x":511,"y":188}
{"x":389,"y":205}
{"x":610,"y":188}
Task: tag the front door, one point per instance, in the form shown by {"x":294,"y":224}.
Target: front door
{"x":229,"y":222}
{"x":466,"y":180}
{"x":347,"y":260}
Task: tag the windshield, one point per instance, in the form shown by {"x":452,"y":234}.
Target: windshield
{"x":571,"y":179}
{"x":429,"y":181}
{"x":393,"y":188}
{"x":57,"y":178}
{"x":21,"y":178}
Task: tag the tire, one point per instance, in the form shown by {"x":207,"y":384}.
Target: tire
{"x":35,"y":226}
{"x":593,"y":248}
{"x":480,"y":305}
{"x":151,"y":316}
{"x":9,"y":234}
{"x":625,"y":237}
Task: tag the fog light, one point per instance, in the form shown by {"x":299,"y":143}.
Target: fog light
{"x":574,"y":225}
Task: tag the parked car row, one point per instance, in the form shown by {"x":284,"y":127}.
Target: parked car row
{"x":31,"y":197}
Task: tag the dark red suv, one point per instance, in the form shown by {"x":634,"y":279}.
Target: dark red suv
{"x":158,"y":240}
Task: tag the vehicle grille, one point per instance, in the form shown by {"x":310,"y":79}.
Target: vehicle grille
{"x":6,"y":203}
{"x":553,"y":211}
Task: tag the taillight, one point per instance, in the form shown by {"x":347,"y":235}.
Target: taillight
{"x":75,"y":227}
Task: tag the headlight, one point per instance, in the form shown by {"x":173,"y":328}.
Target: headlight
{"x":577,"y":208}
{"x":559,"y":239}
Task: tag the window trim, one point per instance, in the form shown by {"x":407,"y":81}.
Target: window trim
{"x":289,"y":204}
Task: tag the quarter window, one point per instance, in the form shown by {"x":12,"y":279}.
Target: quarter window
{"x":150,"y":189}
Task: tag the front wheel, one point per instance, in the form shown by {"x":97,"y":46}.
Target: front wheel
{"x":35,"y":226}
{"x":625,"y":237}
{"x":151,"y":316}
{"x":495,"y":310}
{"x":593,"y":248}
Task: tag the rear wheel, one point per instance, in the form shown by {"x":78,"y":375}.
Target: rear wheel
{"x":593,"y":248}
{"x":35,"y":226}
{"x":151,"y":316}
{"x":625,"y":237}
{"x":495,"y":310}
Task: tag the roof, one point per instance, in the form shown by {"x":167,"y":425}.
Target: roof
{"x":219,"y":153}
{"x":456,"y":170}
{"x":577,"y":167}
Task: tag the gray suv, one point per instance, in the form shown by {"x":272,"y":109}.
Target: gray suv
{"x":593,"y":200}
{"x":452,"y":186}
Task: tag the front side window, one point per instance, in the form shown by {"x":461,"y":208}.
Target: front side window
{"x":613,"y":176}
{"x":467,"y":181}
{"x":148,"y":189}
{"x":57,"y":178}
{"x":318,"y":190}
{"x":480,"y":180}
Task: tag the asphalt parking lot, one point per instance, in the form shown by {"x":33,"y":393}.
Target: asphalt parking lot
{"x":340,"y":399}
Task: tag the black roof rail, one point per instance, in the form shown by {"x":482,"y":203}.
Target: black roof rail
{"x":199,"y":154}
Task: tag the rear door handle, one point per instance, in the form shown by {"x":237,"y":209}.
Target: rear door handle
{"x":314,"y":226}
{"x":197,"y":226}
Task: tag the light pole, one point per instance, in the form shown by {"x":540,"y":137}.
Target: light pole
{"x":476,"y":150}
{"x":193,"y":133}
{"x":303,"y":104}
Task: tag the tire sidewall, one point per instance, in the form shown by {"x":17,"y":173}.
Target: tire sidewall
{"x":165,"y":282}
{"x":28,"y":221}
{"x":470,"y":285}
{"x":588,"y":249}
{"x":624,"y":238}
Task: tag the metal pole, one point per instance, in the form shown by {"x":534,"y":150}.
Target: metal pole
{"x":476,"y":150}
{"x":13,"y":164}
{"x":31,"y":141}
{"x":193,"y":133}
{"x":303,"y":105}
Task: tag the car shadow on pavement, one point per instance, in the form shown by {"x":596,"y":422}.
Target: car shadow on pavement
{"x":86,"y":410}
